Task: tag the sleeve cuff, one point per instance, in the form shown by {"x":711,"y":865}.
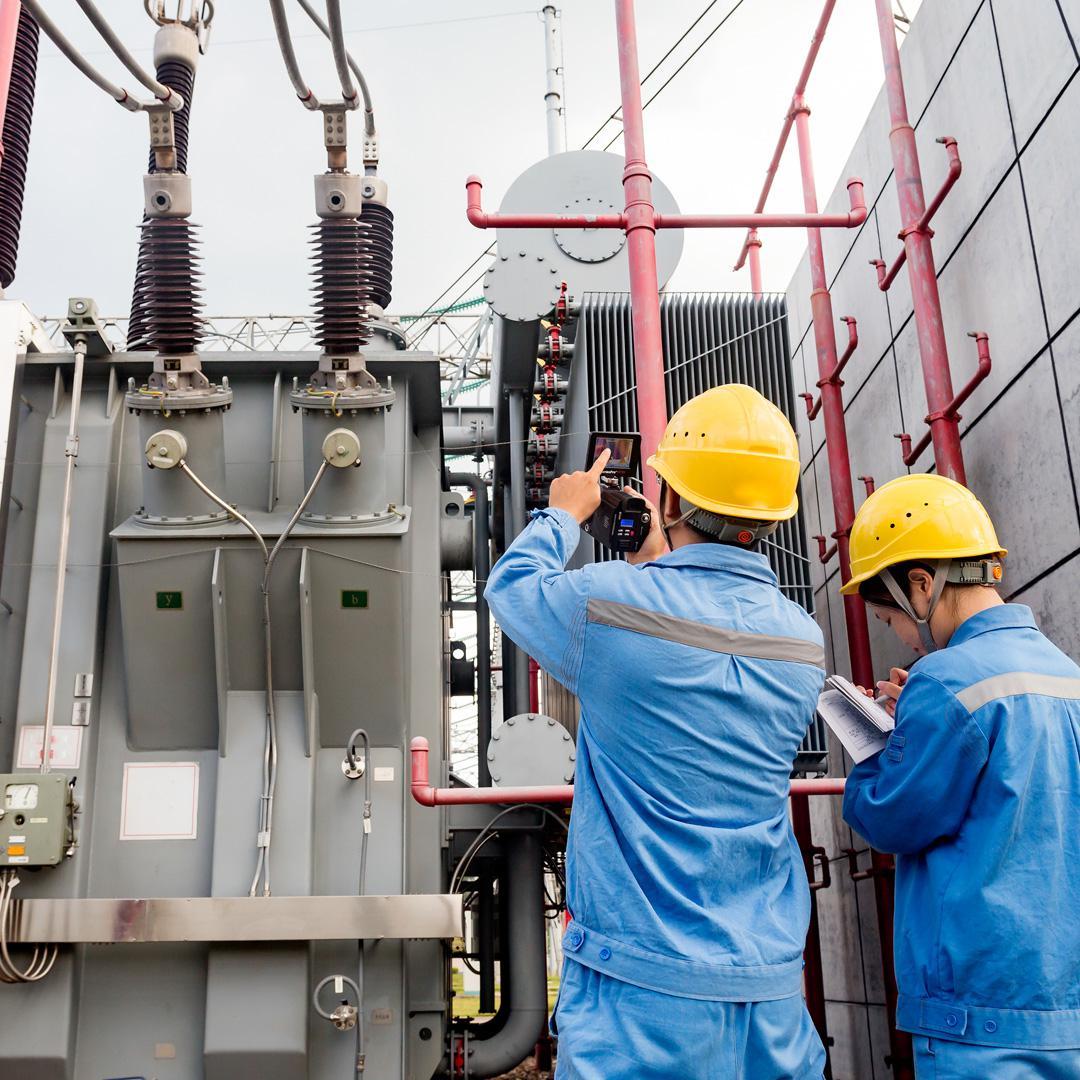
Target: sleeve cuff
{"x":563,"y":518}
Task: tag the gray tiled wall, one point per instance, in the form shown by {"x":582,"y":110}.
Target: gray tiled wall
{"x":1002,"y":77}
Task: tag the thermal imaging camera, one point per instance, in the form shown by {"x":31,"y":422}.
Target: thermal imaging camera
{"x":622,"y":521}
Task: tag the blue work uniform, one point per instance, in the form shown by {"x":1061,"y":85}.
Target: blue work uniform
{"x":697,"y":679}
{"x":977,"y":793}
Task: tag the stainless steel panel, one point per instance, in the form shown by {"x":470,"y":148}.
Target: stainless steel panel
{"x":275,"y":918}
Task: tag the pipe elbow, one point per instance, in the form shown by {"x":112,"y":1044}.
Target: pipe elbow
{"x":422,"y":790}
{"x":474,"y":210}
{"x":857,"y":213}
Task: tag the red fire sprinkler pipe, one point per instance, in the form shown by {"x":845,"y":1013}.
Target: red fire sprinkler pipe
{"x":9,"y":29}
{"x":944,"y":430}
{"x":641,"y":249}
{"x":832,"y":405}
{"x":982,"y":340}
{"x":483,"y":219}
{"x":753,"y":243}
{"x":956,"y":167}
{"x":428,"y":795}
{"x":770,"y":173}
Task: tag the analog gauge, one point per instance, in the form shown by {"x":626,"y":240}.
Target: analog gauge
{"x":21,"y":797}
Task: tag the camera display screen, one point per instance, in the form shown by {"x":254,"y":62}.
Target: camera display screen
{"x":625,"y":449}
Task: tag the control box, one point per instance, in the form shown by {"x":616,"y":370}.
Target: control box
{"x":36,"y":816}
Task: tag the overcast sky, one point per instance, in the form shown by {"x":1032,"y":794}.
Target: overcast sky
{"x":458,"y":88}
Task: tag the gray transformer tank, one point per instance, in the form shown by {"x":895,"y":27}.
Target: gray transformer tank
{"x":160,"y":717}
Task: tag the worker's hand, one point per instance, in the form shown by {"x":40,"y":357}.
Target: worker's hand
{"x":655,"y":545}
{"x":578,"y":493}
{"x":891,"y":687}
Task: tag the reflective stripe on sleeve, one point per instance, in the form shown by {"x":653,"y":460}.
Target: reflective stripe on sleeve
{"x":1014,"y":683}
{"x":703,"y":636}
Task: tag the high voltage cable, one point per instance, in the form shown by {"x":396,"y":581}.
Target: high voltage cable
{"x":224,"y":43}
{"x":682,"y":37}
{"x":652,"y":71}
{"x":704,"y":41}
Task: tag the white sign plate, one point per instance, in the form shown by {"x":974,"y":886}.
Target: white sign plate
{"x":160,"y":800}
{"x":66,"y":747}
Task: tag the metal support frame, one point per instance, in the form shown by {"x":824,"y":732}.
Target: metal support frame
{"x":553,"y":68}
{"x":481,"y":571}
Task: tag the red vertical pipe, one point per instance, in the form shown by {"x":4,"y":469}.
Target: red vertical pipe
{"x":641,"y":249}
{"x":9,"y":29}
{"x":534,"y":686}
{"x":836,"y":449}
{"x":832,"y":404}
{"x":944,"y":429}
{"x":813,"y":973}
{"x":753,"y":244}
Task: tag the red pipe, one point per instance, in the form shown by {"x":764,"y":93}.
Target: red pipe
{"x":754,"y":243}
{"x":944,"y":430}
{"x":640,"y":228}
{"x":534,"y":686}
{"x":813,"y":972}
{"x":836,"y":445}
{"x":427,"y":795}
{"x":651,"y":220}
{"x":825,"y":554}
{"x":952,"y":410}
{"x":814,"y":407}
{"x":9,"y":29}
{"x":886,"y":278}
{"x":785,"y":131}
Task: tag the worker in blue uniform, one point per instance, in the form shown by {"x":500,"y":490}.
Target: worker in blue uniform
{"x":977,"y":793}
{"x":697,"y":679}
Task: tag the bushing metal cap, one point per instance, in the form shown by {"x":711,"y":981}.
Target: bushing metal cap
{"x":176,"y":42}
{"x":166,"y":449}
{"x":339,"y":195}
{"x":374,"y":190}
{"x":341,"y":448}
{"x":167,"y":195}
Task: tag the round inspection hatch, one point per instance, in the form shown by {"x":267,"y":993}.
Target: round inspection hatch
{"x":522,"y":286}
{"x":530,"y":749}
{"x":590,"y":245}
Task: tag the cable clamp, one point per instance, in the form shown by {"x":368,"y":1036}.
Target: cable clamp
{"x":263,"y":839}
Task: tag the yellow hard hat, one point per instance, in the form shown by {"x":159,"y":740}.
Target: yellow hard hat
{"x":921,"y":516}
{"x":732,"y":452}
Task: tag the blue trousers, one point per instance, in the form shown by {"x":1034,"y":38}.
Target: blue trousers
{"x":942,"y":1059}
{"x":613,"y":1030}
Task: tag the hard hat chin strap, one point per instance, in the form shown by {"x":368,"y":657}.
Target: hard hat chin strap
{"x":898,"y":593}
{"x":724,"y":530}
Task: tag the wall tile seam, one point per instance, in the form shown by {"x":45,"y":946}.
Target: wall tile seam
{"x":915,"y":125}
{"x":1014,"y":163}
{"x":911,"y":315}
{"x":1035,"y":260}
{"x":872,"y":207}
{"x":892,"y":340}
{"x":1068,"y":29}
{"x":1040,"y":577}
